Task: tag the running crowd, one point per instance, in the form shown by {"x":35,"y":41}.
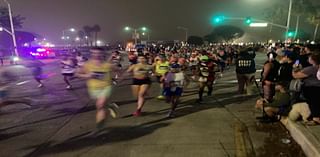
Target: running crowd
{"x":290,"y":77}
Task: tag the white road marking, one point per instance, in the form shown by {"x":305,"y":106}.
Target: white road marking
{"x":22,"y":83}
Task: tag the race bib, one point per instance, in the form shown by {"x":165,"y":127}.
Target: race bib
{"x":99,"y":75}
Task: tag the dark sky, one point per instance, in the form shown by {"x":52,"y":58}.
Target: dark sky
{"x":50,"y":17}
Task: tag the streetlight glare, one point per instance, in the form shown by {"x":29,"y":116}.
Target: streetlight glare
{"x":127,"y":28}
{"x":72,"y":29}
{"x":144,"y":28}
{"x":1,"y":29}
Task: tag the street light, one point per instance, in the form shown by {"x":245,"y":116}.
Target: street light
{"x":135,"y":30}
{"x":289,"y":18}
{"x":12,"y":33}
{"x":186,"y":31}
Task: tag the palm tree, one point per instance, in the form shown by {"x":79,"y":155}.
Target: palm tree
{"x":276,"y":14}
{"x":314,"y":19}
{"x":299,"y":8}
{"x":88,"y":32}
{"x":96,"y":29}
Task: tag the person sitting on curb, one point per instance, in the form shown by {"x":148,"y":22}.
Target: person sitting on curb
{"x":300,"y":110}
{"x":280,"y":104}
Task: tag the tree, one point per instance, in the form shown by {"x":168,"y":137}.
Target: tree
{"x":5,"y":19}
{"x":275,"y":14}
{"x":96,"y":29}
{"x":314,"y":19}
{"x":195,"y":40}
{"x":81,"y":35}
{"x":224,"y":34}
{"x":88,"y":32}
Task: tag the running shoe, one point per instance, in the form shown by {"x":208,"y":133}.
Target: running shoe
{"x":40,"y":85}
{"x":100,"y":125}
{"x":170,"y":114}
{"x":112,"y":109}
{"x":137,"y":113}
{"x":161,"y":97}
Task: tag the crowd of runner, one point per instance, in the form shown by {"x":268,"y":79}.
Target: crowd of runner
{"x":174,"y":68}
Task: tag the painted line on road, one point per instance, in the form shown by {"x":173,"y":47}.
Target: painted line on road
{"x":22,"y":83}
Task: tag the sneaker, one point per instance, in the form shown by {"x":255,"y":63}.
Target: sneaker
{"x":69,"y":87}
{"x":100,"y":125}
{"x":170,"y":114}
{"x":114,"y":82}
{"x":161,"y":97}
{"x":137,"y":113}
{"x":40,"y":85}
{"x":112,"y":109}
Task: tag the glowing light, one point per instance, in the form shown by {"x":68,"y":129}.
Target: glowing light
{"x":16,"y":59}
{"x":41,"y":50}
{"x":259,"y":25}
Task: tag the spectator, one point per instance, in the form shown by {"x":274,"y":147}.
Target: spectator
{"x":286,"y":67}
{"x":299,"y":110}
{"x":280,"y":104}
{"x":311,"y":87}
{"x":303,"y":57}
{"x":269,"y":75}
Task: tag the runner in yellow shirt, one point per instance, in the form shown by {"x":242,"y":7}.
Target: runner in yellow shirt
{"x":161,"y":67}
{"x":99,"y":83}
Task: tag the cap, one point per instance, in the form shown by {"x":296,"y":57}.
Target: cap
{"x":175,"y":66}
{"x":204,"y":58}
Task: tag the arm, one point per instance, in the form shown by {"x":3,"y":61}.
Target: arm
{"x":299,"y":75}
{"x":266,"y":71}
{"x":84,"y":73}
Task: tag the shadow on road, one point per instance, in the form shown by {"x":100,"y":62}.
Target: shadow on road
{"x":13,"y":134}
{"x":111,"y":135}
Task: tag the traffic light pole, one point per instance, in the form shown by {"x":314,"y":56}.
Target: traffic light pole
{"x":12,"y":29}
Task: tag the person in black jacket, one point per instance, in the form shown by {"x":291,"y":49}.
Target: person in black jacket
{"x":269,"y":75}
{"x":286,"y":67}
{"x":245,"y":69}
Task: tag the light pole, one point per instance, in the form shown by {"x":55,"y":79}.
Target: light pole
{"x":289,"y":18}
{"x":135,"y":30}
{"x":64,"y":37}
{"x":186,"y":31}
{"x":12,"y":33}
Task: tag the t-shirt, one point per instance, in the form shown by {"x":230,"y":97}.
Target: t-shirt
{"x":101,"y":75}
{"x":142,"y":71}
{"x":174,"y":79}
{"x":67,"y":67}
{"x":311,"y":80}
{"x":280,"y":99}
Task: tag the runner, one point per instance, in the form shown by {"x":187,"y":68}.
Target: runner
{"x":173,"y":86}
{"x":206,"y":75}
{"x":193,"y":64}
{"x":161,"y":67}
{"x":116,"y":61}
{"x":98,"y":73}
{"x":68,"y":68}
{"x":132,"y":58}
{"x":36,"y":70}
{"x":80,"y":60}
{"x":141,"y":82}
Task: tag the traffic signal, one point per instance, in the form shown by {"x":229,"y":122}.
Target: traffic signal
{"x":218,"y":19}
{"x":248,"y":20}
{"x":291,"y":34}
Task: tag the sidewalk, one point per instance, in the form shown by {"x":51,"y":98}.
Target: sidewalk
{"x":308,"y":137}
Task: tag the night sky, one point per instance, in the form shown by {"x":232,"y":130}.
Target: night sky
{"x":50,"y":17}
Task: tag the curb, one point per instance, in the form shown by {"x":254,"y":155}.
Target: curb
{"x":308,"y":142}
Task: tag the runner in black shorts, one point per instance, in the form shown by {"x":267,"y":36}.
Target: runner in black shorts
{"x":141,"y":81}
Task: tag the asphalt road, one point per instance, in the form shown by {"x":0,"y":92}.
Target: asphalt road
{"x":59,"y":121}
